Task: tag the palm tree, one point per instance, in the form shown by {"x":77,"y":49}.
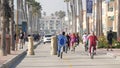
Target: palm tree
{"x":99,"y":30}
{"x":118,"y":25}
{"x":80,"y":16}
{"x":60,"y":14}
{"x":68,"y":12}
{"x":4,"y":18}
{"x":12,"y":24}
{"x":36,"y":10}
{"x":74,"y":16}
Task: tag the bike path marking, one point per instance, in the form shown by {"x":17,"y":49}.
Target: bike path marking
{"x":68,"y":62}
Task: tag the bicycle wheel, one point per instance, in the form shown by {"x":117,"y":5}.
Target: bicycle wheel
{"x":92,"y":53}
{"x":86,"y":48}
{"x":58,"y":54}
{"x":61,"y":53}
{"x":66,"y":48}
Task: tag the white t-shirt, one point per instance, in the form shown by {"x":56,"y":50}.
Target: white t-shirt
{"x":84,"y":37}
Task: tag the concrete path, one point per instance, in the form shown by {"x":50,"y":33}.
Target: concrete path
{"x":79,"y":59}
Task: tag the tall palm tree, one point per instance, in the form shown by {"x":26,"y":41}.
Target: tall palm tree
{"x":12,"y":24}
{"x":68,"y":12}
{"x":80,"y":9}
{"x":4,"y":18}
{"x":118,"y":25}
{"x":36,"y":10}
{"x":100,"y":9}
{"x":99,"y":30}
{"x":74,"y":16}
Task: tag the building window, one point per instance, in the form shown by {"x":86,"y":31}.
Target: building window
{"x":51,"y":21}
{"x":51,"y":27}
{"x":110,"y":9}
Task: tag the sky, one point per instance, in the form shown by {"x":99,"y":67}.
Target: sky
{"x":50,"y":6}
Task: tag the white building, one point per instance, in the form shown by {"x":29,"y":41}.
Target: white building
{"x":50,"y":25}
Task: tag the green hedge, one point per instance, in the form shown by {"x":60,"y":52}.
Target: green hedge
{"x":102,"y":43}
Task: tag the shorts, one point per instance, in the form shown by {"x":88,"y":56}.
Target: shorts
{"x":110,"y":42}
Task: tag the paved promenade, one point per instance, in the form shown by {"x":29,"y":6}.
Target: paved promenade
{"x":79,"y":59}
{"x":7,"y":61}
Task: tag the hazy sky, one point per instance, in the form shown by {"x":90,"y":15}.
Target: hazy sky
{"x":50,"y":6}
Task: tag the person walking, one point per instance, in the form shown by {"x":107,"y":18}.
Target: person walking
{"x":109,"y":38}
{"x":21,"y":39}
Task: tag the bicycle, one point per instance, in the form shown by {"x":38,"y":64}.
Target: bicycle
{"x":86,"y":47}
{"x":92,"y":52}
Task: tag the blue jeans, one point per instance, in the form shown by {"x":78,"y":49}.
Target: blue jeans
{"x":60,"y":48}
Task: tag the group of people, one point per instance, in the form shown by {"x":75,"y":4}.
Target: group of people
{"x":69,"y":40}
{"x":89,"y":41}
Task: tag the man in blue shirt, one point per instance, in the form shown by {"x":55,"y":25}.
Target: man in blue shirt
{"x":61,"y":38}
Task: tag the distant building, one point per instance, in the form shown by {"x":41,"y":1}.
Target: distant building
{"x":50,"y":25}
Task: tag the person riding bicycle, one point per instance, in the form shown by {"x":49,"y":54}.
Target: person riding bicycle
{"x":68,"y":41}
{"x":61,"y":38}
{"x":72,"y":41}
{"x":84,"y":38}
{"x":92,"y":42}
{"x":77,"y":39}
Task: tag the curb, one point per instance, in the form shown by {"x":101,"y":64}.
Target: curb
{"x":11,"y":61}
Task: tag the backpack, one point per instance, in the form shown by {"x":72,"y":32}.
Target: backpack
{"x":62,"y":41}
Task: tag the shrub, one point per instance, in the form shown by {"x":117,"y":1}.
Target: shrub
{"x":102,"y":42}
{"x":116,"y":44}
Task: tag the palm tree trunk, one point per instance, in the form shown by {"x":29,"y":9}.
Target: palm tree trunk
{"x":3,"y":31}
{"x":99,"y":30}
{"x":87,"y":24}
{"x":80,"y":16}
{"x":68,"y":15}
{"x":118,"y":26}
{"x":12,"y":39}
{"x":97,"y":18}
{"x":100,"y":9}
{"x":74,"y":11}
